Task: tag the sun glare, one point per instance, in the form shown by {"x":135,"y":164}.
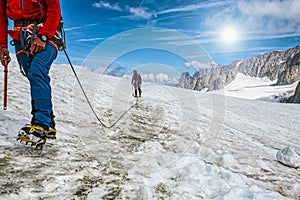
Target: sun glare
{"x":229,"y":35}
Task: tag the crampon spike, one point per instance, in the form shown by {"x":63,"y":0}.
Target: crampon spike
{"x":34,"y":141}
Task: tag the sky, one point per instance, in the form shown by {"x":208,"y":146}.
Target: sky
{"x":137,"y":33}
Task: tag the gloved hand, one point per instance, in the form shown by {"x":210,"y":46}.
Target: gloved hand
{"x":4,"y":56}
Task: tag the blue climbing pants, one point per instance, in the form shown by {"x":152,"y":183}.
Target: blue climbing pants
{"x":36,"y":69}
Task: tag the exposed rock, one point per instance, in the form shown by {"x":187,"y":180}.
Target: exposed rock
{"x":186,"y":81}
{"x":289,"y":75}
{"x":267,"y":64}
{"x":296,"y":97}
{"x":288,"y":157}
{"x":184,"y":78}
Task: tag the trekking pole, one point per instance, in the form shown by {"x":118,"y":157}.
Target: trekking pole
{"x":5,"y":82}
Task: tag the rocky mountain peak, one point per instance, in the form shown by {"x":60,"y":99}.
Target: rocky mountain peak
{"x":283,"y":66}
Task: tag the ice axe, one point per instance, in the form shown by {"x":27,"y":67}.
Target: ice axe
{"x":5,"y":59}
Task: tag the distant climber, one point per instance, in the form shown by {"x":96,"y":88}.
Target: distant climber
{"x":136,"y":81}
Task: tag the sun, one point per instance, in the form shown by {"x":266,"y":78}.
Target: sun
{"x":229,"y":35}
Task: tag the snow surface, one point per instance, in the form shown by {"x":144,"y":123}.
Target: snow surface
{"x":247,"y":87}
{"x":173,"y":144}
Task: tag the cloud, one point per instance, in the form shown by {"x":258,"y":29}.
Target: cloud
{"x":224,"y":16}
{"x":198,"y":65}
{"x":73,"y":28}
{"x":80,"y":27}
{"x":89,"y":39}
{"x":257,"y":19}
{"x":148,"y":77}
{"x":279,"y":15}
{"x":162,"y":77}
{"x":159,"y":78}
{"x":283,"y":10}
{"x":136,"y":12}
{"x":194,"y":7}
{"x":144,"y":13}
{"x":102,"y":4}
{"x":139,"y":12}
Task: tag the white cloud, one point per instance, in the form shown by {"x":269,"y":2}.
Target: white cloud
{"x":73,"y":28}
{"x":193,"y":7}
{"x":89,"y":39}
{"x":136,"y":12}
{"x":257,"y":19}
{"x":80,"y":27}
{"x":139,"y":12}
{"x":222,"y":17}
{"x":288,"y":9}
{"x":159,"y":78}
{"x":253,"y":12}
{"x":162,"y":77}
{"x":273,"y":16}
{"x":102,"y":4}
{"x":198,"y":65}
{"x":148,"y":77}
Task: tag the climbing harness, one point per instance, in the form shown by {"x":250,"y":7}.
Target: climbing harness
{"x":28,"y":30}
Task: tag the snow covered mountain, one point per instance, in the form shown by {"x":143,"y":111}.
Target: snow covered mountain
{"x":255,"y":88}
{"x":282,"y":66}
{"x":172,"y":144}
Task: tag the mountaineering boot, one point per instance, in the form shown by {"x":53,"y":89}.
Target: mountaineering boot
{"x":34,"y":134}
{"x":51,"y":133}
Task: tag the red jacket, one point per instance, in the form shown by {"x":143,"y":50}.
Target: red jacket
{"x":29,"y":10}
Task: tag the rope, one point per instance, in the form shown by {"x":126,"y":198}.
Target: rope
{"x":88,"y":101}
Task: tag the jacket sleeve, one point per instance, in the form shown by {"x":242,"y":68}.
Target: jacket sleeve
{"x":3,"y":24}
{"x":53,"y":16}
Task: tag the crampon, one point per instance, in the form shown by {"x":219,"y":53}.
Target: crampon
{"x":33,"y":135}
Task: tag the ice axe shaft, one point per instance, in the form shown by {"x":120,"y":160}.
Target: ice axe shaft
{"x":5,"y":83}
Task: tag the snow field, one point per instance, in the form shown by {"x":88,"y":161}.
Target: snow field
{"x":174,"y":144}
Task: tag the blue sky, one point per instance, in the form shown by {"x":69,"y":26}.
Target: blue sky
{"x":219,"y":30}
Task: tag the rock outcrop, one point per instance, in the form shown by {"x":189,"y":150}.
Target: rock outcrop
{"x":296,"y":97}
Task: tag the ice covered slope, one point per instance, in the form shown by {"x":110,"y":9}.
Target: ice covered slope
{"x":174,"y":144}
{"x":252,"y":88}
